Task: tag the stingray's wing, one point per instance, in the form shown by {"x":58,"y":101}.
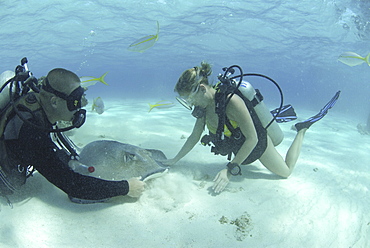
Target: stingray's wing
{"x":122,"y":161}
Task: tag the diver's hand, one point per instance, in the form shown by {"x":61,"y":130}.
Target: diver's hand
{"x":221,"y":181}
{"x":136,"y":187}
{"x":169,"y":162}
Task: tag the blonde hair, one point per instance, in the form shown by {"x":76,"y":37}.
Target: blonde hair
{"x":191,"y":78}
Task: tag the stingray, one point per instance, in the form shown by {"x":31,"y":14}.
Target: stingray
{"x":114,"y":160}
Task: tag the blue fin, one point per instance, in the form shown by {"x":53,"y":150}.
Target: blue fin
{"x":307,"y":123}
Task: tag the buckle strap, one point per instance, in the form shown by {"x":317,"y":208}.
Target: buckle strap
{"x":258,"y":97}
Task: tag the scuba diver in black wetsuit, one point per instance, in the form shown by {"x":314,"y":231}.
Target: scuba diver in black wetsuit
{"x":28,"y":123}
{"x":236,"y":124}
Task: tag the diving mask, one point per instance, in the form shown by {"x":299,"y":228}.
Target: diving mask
{"x":188,"y":102}
{"x":73,"y":100}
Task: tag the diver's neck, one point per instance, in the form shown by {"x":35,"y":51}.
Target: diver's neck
{"x":211,"y":99}
{"x":47,"y":110}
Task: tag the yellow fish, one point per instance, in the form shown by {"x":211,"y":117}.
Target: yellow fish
{"x":353,"y":59}
{"x":144,"y":43}
{"x":161,"y":104}
{"x":93,"y":80}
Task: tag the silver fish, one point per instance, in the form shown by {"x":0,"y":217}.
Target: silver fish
{"x":98,"y":105}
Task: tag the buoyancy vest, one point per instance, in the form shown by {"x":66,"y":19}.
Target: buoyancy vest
{"x":13,"y":173}
{"x":228,"y":144}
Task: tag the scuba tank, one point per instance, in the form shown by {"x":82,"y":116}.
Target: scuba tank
{"x":253,"y":95}
{"x":4,"y":94}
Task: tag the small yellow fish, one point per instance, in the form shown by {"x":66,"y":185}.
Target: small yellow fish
{"x":160,"y":105}
{"x":144,"y":43}
{"x":93,"y":80}
{"x":353,"y":59}
{"x":98,"y":105}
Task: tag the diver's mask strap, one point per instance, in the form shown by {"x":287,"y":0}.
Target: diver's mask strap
{"x":73,"y":100}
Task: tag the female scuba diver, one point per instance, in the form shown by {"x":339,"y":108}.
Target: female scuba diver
{"x":253,"y":141}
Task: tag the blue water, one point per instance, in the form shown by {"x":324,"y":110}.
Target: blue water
{"x":296,"y":43}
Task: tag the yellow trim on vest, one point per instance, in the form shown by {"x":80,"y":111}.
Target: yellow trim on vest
{"x":227,"y":132}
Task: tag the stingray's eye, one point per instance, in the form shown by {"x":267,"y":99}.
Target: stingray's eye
{"x":127,"y":157}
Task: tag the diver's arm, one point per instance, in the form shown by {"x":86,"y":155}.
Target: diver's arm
{"x":191,"y":141}
{"x":136,"y":187}
{"x":237,"y":111}
{"x":34,"y":147}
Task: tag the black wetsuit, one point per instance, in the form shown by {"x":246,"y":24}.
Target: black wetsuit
{"x":34,"y":147}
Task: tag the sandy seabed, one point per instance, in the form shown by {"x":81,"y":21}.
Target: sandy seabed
{"x":325,"y":202}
